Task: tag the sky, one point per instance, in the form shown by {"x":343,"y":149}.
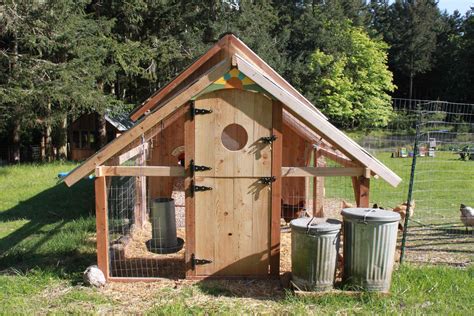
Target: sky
{"x":461,"y":5}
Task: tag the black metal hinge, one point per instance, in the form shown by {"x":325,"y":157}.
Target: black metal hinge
{"x":199,"y":188}
{"x":269,"y":139}
{"x":267,"y":180}
{"x":195,"y":111}
{"x":195,"y":167}
{"x":195,"y":261}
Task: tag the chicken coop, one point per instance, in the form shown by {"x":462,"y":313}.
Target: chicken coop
{"x":217,"y":161}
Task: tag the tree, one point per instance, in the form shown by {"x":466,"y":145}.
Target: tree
{"x":414,"y":25}
{"x":351,"y":84}
{"x":61,"y":62}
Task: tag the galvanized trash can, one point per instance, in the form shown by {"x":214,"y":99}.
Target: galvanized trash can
{"x":370,"y":238}
{"x":314,"y":248}
{"x":163,"y":227}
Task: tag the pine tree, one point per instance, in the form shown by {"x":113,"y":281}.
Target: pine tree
{"x":414,"y":26}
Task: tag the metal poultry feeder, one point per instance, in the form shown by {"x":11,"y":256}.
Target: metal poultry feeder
{"x":163,"y":226}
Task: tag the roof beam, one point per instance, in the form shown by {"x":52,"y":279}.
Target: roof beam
{"x":148,"y":122}
{"x":321,"y":172}
{"x":149,"y":103}
{"x":318,"y":123}
{"x":139,"y":171}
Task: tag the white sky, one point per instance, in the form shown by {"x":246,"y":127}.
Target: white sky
{"x":461,"y":5}
{"x":450,"y":5}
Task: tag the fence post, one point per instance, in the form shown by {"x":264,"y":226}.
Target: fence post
{"x":410,"y":188}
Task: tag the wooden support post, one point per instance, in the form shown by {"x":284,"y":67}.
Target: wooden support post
{"x":277,"y":151}
{"x":101,"y":225}
{"x":364,"y":188}
{"x":361,"y":186}
{"x":189,"y":151}
{"x":355,"y":187}
{"x":318,"y":210}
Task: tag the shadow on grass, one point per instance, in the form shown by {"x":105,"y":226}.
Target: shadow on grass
{"x":56,"y":220}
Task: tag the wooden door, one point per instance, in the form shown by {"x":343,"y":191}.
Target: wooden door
{"x":232,"y":220}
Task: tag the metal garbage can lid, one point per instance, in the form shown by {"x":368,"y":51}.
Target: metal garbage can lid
{"x":316,"y":224}
{"x":370,"y":215}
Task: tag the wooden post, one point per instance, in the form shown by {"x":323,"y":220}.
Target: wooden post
{"x":318,"y":210}
{"x":101,"y":225}
{"x":364,"y":188}
{"x":277,"y":151}
{"x":361,"y":186}
{"x":189,"y":151}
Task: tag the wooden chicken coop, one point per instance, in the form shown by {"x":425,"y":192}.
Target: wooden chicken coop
{"x":230,"y":141}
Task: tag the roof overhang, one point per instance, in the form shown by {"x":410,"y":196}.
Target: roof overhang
{"x":163,"y":105}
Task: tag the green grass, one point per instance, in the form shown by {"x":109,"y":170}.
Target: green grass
{"x":442,"y":183}
{"x":47,"y":239}
{"x":43,"y":223}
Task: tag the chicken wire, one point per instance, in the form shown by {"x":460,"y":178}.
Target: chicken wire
{"x":442,"y":180}
{"x":130,"y":232}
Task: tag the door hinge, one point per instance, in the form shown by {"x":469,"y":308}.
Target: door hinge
{"x":195,"y":167}
{"x":195,"y":261}
{"x":268,"y":139}
{"x":199,"y":188}
{"x":195,"y":111}
{"x":267,"y":180}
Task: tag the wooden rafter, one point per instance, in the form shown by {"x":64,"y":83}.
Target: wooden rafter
{"x":320,"y":125}
{"x":148,"y":122}
{"x":138,"y":171}
{"x":337,"y":158}
{"x":321,"y":172}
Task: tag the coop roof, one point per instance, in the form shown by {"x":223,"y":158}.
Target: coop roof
{"x":120,"y":121}
{"x":229,"y":53}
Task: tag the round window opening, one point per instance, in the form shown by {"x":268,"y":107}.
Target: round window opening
{"x":234,"y":137}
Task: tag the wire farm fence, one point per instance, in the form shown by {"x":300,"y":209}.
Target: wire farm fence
{"x":438,"y":231}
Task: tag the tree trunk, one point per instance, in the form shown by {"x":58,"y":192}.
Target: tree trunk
{"x":411,"y":86}
{"x":16,"y":141}
{"x":62,"y":139}
{"x":102,"y":131}
{"x":16,"y":108}
{"x":48,"y":140}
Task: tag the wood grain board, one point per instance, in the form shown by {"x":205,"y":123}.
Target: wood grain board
{"x":233,"y":219}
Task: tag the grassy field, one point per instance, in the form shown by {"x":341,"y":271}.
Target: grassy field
{"x":47,"y":240}
{"x":441,"y":185}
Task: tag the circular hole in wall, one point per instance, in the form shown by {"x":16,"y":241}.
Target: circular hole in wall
{"x":234,"y":137}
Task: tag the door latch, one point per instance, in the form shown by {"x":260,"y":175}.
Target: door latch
{"x":267,"y":180}
{"x":268,"y":139}
{"x":195,"y":262}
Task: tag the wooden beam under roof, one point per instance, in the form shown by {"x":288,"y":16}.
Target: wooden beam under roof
{"x":148,"y":122}
{"x":158,"y":96}
{"x":139,"y":171}
{"x":321,"y":172}
{"x":319,"y":124}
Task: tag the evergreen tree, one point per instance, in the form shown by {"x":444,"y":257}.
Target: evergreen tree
{"x":414,"y":26}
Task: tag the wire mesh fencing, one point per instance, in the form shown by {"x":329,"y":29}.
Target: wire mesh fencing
{"x":441,"y":226}
{"x":141,"y":234}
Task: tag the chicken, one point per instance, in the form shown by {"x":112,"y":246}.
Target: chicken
{"x":402,"y":210}
{"x":467,"y":216}
{"x":289,"y":212}
{"x":345,"y":204}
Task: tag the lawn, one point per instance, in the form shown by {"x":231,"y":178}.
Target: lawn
{"x":47,"y":239}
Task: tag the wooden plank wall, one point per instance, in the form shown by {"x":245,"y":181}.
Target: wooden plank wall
{"x":296,"y":153}
{"x":162,"y":147}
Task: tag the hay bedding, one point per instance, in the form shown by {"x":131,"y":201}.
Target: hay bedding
{"x":131,"y":258}
{"x":425,"y":245}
